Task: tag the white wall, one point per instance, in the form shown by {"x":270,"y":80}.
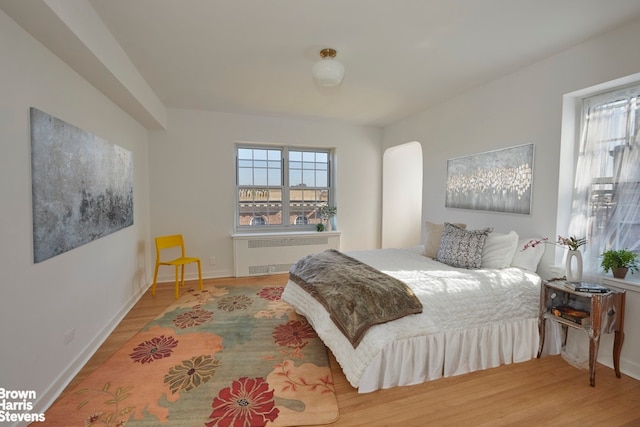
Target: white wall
{"x":520,"y":108}
{"x":192,"y":175}
{"x":89,"y":288}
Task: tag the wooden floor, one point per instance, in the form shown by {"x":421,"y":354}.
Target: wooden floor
{"x":541,"y":392}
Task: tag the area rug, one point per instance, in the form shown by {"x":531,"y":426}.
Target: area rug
{"x":224,"y":356}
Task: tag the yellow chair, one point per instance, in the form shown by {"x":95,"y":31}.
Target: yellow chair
{"x":174,"y":241}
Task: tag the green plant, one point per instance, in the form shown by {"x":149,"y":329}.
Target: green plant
{"x":328,"y":211}
{"x":621,"y":258}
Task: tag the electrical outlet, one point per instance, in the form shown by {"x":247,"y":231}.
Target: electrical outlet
{"x":69,"y":336}
{"x":212,"y":260}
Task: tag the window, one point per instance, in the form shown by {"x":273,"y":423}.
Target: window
{"x":281,"y":187}
{"x":606,"y":201}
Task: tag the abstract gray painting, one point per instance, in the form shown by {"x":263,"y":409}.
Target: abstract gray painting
{"x":82,"y":186}
{"x":497,"y":180}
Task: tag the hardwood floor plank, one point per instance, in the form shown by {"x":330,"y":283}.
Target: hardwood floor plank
{"x":540,"y":392}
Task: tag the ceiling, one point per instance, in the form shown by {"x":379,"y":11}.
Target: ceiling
{"x":401,"y":56}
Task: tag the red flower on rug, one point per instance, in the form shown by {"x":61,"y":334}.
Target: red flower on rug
{"x":156,"y":348}
{"x":248,"y":402}
{"x":193,"y":317}
{"x":294,"y":333}
{"x":271,"y":294}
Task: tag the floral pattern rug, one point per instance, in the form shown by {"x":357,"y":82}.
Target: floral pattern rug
{"x":224,"y":356}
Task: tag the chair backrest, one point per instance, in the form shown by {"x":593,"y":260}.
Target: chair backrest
{"x":165,"y":242}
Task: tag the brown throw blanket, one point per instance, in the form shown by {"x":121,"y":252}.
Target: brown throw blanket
{"x":356,"y":295}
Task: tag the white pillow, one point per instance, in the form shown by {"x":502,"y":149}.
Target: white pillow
{"x":433,"y":238}
{"x":499,"y":249}
{"x":529,"y":258}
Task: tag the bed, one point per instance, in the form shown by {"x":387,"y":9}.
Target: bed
{"x":472,"y":319}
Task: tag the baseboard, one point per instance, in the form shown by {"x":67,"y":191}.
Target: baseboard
{"x":51,"y":394}
{"x":627,"y":367}
{"x":217,"y":274}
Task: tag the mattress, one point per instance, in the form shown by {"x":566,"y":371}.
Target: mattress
{"x":471,"y":320}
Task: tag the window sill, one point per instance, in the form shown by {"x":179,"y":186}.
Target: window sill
{"x":244,"y":235}
{"x":629,"y":283}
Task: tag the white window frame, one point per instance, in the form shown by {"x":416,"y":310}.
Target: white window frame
{"x":287,"y":223}
{"x":569,"y":150}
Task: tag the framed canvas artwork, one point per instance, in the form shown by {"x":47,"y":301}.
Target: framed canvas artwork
{"x":498,"y":180}
{"x":82,"y":186}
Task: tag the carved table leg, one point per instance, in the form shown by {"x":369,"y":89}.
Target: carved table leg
{"x":617,"y":348}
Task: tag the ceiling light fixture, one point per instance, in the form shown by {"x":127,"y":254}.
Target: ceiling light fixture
{"x":328,"y":72}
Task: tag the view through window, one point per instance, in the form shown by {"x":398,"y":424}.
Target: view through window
{"x":281,"y":187}
{"x":606,"y":205}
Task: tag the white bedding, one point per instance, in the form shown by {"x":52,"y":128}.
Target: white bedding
{"x":472,"y":320}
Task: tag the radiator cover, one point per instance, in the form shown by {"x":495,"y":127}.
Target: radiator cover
{"x":275,"y":253}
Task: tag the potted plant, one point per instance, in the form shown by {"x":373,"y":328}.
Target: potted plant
{"x":619,"y":262}
{"x":327,"y":212}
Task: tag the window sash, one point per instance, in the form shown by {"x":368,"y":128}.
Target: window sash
{"x":308,"y":169}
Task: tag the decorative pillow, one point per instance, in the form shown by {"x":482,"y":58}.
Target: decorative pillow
{"x":460,"y":247}
{"x":527,"y":259}
{"x":499,"y":249}
{"x":433,"y":238}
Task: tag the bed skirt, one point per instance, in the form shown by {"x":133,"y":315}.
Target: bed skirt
{"x":416,"y":360}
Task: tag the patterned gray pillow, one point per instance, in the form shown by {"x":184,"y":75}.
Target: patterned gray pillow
{"x":462,"y":248}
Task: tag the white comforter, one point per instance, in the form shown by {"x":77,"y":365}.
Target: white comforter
{"x":472,"y":320}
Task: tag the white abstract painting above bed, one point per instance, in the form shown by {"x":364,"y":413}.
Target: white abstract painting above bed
{"x":472,"y":320}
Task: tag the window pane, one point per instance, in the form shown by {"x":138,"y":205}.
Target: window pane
{"x":308,"y":178}
{"x":295,"y":178}
{"x":260,"y":177}
{"x":275,"y":155}
{"x":321,"y":179}
{"x":245,"y":153}
{"x":260,"y":203}
{"x":245,"y":176}
{"x":306,"y":203}
{"x":260,"y":154}
{"x":275,"y":178}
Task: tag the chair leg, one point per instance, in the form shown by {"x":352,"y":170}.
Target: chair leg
{"x":200,"y":274}
{"x":182,"y":278}
{"x":155,"y":280}
{"x":177,"y":289}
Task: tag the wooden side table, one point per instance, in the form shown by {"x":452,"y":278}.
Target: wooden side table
{"x":605,"y":315}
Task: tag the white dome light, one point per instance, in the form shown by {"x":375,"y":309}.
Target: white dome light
{"x":328,"y":72}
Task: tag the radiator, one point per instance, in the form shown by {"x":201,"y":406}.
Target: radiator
{"x":271,"y":253}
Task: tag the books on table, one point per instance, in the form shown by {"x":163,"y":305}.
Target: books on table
{"x":587,"y":287}
{"x":581,"y":317}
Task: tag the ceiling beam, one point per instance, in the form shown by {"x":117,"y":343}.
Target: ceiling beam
{"x":74,"y":32}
